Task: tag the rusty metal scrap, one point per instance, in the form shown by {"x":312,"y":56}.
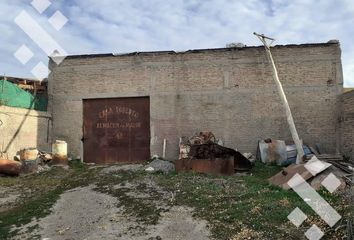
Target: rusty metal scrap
{"x":202,"y":138}
{"x":217,"y":166}
{"x":201,"y":153}
{"x":213,"y":151}
{"x":10,"y":167}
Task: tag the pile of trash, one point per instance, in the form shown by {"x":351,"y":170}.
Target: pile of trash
{"x":272,"y":151}
{"x":318,"y":167}
{"x":31,"y":160}
{"x":204,"y":153}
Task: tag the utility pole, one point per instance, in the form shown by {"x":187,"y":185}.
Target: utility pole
{"x":289,"y":116}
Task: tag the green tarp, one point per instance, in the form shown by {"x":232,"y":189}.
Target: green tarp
{"x":13,"y":96}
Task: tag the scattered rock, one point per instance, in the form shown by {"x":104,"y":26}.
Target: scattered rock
{"x":178,"y":223}
{"x":155,"y":157}
{"x":83,"y":213}
{"x":8,"y":198}
{"x":150,"y":169}
{"x":43,"y":168}
{"x":247,"y":233}
{"x":160,"y":166}
{"x":117,"y":168}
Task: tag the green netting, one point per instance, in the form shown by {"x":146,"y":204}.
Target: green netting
{"x":13,"y":96}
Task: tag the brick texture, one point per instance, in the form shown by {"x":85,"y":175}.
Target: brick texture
{"x":347,"y":124}
{"x":230,"y":92}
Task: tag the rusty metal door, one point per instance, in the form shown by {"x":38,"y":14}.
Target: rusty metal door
{"x":116,"y":130}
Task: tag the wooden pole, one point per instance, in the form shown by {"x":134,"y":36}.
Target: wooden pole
{"x":289,"y":116}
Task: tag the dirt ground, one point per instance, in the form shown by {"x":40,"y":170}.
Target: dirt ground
{"x":125,"y":202}
{"x":86,"y":213}
{"x":83,"y":213}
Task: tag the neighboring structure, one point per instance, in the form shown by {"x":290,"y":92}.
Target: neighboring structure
{"x":347,"y":124}
{"x":31,"y":85}
{"x":124,"y":106}
{"x":23,"y":128}
{"x":23,"y":93}
{"x":24,"y":122}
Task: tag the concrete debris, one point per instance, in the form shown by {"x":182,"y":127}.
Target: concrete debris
{"x":158,"y":165}
{"x":150,"y":169}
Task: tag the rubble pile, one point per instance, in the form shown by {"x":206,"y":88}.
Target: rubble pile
{"x":204,"y":153}
{"x":29,"y":161}
{"x":317,"y":165}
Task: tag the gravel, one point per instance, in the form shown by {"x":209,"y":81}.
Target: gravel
{"x":83,"y":213}
{"x":161,"y":166}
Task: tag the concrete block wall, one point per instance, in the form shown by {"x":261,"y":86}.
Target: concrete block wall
{"x":347,"y":124}
{"x":230,"y":92}
{"x":23,"y":128}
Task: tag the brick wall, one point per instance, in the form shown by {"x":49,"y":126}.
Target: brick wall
{"x":230,"y":92}
{"x":23,"y":128}
{"x":347,"y":124}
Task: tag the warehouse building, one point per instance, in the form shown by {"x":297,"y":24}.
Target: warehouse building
{"x":120,"y":108}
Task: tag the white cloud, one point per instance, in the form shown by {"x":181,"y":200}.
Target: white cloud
{"x":136,"y":25}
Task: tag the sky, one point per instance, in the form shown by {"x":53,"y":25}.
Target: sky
{"x":122,"y":26}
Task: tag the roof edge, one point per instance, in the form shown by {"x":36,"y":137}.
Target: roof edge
{"x":100,"y":55}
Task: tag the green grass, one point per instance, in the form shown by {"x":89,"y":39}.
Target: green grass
{"x":145,"y":210}
{"x":229,"y":204}
{"x":45,"y":188}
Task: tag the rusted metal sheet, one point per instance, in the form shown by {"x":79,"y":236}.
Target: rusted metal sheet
{"x":59,"y":160}
{"x":217,"y":166}
{"x":10,"y":167}
{"x":213,"y":151}
{"x":116,"y":130}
